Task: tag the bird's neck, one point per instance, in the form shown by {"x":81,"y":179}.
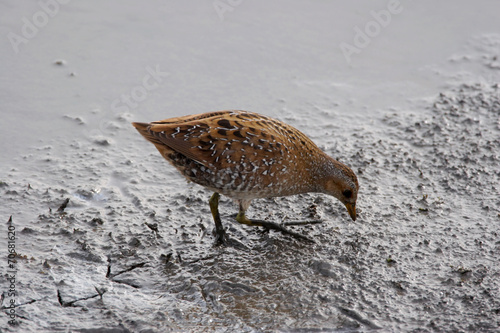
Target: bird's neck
{"x":322,"y":169}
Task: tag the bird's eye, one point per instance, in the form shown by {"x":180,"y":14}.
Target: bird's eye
{"x":347,"y":193}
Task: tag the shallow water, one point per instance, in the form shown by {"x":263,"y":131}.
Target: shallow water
{"x":134,"y":250}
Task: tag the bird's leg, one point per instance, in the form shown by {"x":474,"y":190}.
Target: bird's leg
{"x":241,"y":218}
{"x":219,"y":229}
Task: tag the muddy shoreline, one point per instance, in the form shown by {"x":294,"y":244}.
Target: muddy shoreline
{"x":110,"y":238}
{"x":420,"y":258}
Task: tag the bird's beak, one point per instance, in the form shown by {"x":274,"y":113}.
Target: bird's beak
{"x":351,"y":208}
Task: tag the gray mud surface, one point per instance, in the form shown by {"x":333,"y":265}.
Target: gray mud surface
{"x":136,"y":252}
{"x":109,"y":238}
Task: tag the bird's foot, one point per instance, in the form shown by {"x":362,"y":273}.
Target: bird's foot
{"x":302,"y":222}
{"x":241,"y":218}
{"x":282,"y":228}
{"x":220,"y":236}
{"x":223,"y":240}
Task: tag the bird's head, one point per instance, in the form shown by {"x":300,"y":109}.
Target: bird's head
{"x":342,"y":183}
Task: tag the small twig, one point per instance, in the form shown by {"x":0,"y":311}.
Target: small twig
{"x":72,"y":303}
{"x":59,"y":297}
{"x":110,"y":276}
{"x":100,"y":291}
{"x":152,"y":226}
{"x":63,"y":206}
{"x":108,"y":272}
{"x":17,"y":305}
{"x":127,"y":283}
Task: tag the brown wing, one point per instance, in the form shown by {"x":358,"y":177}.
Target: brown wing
{"x":233,"y":144}
{"x":210,"y":138}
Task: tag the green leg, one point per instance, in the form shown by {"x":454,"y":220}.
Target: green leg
{"x":241,"y":218}
{"x":220,"y":234}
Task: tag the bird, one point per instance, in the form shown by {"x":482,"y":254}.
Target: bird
{"x":245,"y":156}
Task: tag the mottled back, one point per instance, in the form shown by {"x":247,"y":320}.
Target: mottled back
{"x":237,"y":153}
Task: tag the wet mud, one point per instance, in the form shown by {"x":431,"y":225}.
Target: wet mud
{"x":110,"y":238}
{"x":132,"y":250}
